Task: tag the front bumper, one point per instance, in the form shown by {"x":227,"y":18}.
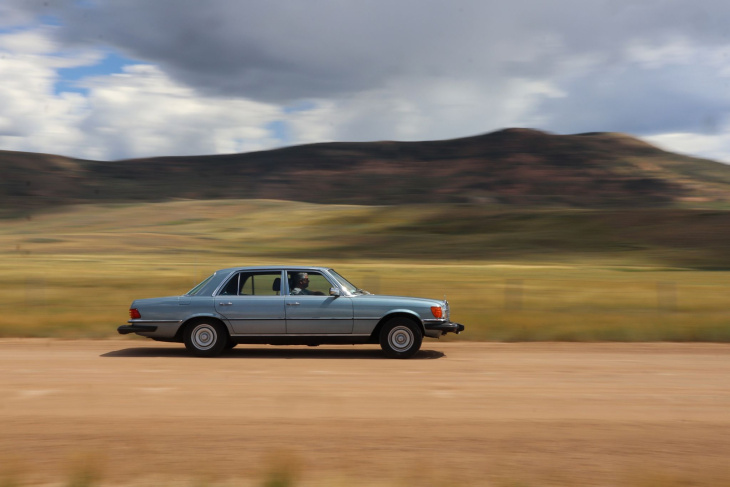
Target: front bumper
{"x":127,"y":329}
{"x":444,"y":327}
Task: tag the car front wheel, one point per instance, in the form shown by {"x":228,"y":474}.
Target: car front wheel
{"x":206,"y":338}
{"x":400,"y":338}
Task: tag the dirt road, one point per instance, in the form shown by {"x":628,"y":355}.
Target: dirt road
{"x":144,"y":413}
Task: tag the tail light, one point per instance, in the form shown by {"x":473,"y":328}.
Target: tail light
{"x":134,"y":313}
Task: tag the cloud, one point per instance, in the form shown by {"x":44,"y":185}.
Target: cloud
{"x":283,"y":51}
{"x":142,"y":111}
{"x":16,"y":12}
{"x":230,"y":75}
{"x":137,"y":112}
{"x":693,"y":144}
{"x":414,"y":109}
{"x":31,"y":118}
{"x":672,"y":97}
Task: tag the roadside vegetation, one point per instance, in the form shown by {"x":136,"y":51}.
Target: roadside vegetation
{"x":288,"y":472}
{"x":518,"y":275}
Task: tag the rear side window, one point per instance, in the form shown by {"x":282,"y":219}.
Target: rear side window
{"x":232,"y":286}
{"x":253,"y":284}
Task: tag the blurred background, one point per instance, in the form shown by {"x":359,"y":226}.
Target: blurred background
{"x":557,"y":170}
{"x":516,"y":274}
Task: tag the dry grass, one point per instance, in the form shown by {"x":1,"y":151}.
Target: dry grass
{"x":73,"y":273}
{"x":286,"y":471}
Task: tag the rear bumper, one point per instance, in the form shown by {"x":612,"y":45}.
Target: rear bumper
{"x":127,"y":329}
{"x":444,"y":327}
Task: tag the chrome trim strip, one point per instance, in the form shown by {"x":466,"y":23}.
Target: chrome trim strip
{"x":320,"y":319}
{"x":282,"y":318}
{"x":299,"y":319}
{"x":256,"y":319}
{"x":141,"y":322}
{"x":277,"y":335}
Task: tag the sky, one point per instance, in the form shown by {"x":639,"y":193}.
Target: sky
{"x":118,"y":79}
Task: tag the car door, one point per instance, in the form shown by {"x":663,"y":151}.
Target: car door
{"x":253,"y":304}
{"x":312,"y":311}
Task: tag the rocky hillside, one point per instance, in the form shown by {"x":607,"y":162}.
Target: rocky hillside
{"x":515,"y":167}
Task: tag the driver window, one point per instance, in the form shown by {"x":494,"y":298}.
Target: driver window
{"x":308,"y":283}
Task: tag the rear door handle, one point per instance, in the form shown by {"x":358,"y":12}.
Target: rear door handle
{"x":226,"y":304}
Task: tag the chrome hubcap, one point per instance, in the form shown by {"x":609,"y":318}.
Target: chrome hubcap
{"x":204,"y":337}
{"x":400,"y":338}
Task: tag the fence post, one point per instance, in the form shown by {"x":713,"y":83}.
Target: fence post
{"x":513,"y":294}
{"x":35,"y":293}
{"x":666,"y":296}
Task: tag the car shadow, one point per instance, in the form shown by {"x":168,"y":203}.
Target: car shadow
{"x":266,"y":353}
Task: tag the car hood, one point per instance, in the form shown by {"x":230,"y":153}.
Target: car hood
{"x":398,"y":299}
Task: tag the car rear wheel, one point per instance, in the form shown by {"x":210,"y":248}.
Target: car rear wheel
{"x":206,"y":338}
{"x":400,"y":338}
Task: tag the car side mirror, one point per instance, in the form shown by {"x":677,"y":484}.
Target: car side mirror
{"x":334,"y":291}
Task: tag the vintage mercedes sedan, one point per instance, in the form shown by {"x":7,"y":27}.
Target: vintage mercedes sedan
{"x":288,"y":306}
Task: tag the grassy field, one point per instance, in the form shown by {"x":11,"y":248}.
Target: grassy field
{"x":510,"y":276}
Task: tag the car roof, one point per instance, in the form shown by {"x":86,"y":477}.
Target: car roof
{"x":296,"y":268}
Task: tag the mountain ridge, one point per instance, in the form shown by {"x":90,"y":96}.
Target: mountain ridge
{"x":510,"y":167}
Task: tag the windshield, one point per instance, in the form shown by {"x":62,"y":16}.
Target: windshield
{"x":197,"y":288}
{"x":349,"y":287}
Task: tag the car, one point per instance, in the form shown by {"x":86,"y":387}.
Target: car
{"x":288,"y":305}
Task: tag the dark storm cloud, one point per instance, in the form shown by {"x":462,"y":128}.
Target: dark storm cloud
{"x":576,"y":58}
{"x":291,"y":49}
{"x":268,"y":50}
{"x":285,"y":50}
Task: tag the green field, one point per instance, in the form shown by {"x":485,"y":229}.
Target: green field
{"x":577,"y":275}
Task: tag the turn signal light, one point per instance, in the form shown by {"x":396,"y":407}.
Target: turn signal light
{"x":134,"y":313}
{"x":437,"y":311}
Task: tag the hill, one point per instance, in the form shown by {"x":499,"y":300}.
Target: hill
{"x":515,"y":167}
{"x":275,"y":231}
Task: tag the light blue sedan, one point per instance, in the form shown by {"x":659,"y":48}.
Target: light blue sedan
{"x":282,"y":305}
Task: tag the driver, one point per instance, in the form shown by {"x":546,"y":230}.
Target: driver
{"x":300,"y":283}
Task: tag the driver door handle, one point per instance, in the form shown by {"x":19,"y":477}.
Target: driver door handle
{"x":292,"y":304}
